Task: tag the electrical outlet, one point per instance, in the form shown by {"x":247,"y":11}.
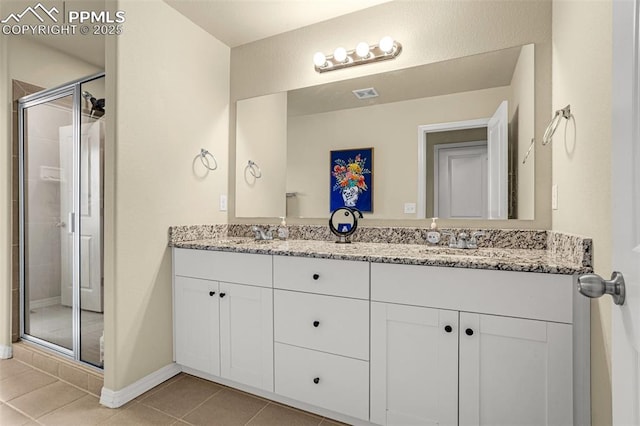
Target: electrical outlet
{"x":223,"y":202}
{"x":554,"y":197}
{"x":409,"y":208}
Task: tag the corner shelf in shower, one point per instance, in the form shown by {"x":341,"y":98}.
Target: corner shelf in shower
{"x":50,"y":174}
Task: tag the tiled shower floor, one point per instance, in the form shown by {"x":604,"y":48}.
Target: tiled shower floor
{"x":31,"y":397}
{"x":53,"y":324}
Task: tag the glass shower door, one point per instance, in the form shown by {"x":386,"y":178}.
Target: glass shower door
{"x":48,"y":199}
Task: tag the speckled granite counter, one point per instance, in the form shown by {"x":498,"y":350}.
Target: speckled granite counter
{"x":542,"y":251}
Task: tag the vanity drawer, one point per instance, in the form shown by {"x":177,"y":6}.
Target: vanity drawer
{"x":342,"y":383}
{"x":327,"y":323}
{"x":241,"y":268}
{"x":322,"y":276}
{"x":547,"y":297}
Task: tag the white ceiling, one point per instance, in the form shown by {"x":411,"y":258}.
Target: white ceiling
{"x":237,"y":22}
{"x":233,"y":22}
{"x":476,"y":72}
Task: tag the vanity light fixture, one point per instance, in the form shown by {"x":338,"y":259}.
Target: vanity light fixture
{"x":387,"y":48}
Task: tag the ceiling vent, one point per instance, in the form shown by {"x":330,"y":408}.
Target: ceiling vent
{"x":366,"y":93}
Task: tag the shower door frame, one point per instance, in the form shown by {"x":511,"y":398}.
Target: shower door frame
{"x":72,"y":88}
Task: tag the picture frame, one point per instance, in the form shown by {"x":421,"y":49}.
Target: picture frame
{"x":351,"y":179}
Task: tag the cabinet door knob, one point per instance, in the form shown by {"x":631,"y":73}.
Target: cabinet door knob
{"x":211,"y":293}
{"x":469,"y":332}
{"x":223,"y":294}
{"x":448,"y":328}
{"x":316,"y":380}
{"x":316,"y":323}
{"x":316,"y":276}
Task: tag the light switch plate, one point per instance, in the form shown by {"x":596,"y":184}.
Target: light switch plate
{"x":223,"y":202}
{"x":554,"y":197}
{"x":409,"y":208}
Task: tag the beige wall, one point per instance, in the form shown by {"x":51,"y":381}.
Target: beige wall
{"x":582,"y":56}
{"x":424,"y":28}
{"x":171,"y":84}
{"x":395,"y":169}
{"x":43,"y":66}
{"x":521,"y":119}
{"x":5,"y":197}
{"x":261,"y":135}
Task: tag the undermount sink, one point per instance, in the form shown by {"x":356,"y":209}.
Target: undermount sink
{"x":451,"y":251}
{"x":243,"y":240}
{"x":228,"y":242}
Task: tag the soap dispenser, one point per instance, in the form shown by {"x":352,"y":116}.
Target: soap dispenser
{"x":433,"y":235}
{"x":283,"y":231}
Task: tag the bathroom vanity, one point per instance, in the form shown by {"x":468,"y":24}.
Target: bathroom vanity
{"x":389,"y":334}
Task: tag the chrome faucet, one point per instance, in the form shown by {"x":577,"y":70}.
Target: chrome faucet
{"x":462,"y":241}
{"x":452,"y":238}
{"x":473,"y":244}
{"x":261,"y":234}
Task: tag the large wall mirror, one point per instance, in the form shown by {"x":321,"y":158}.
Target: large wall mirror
{"x":438,"y":149}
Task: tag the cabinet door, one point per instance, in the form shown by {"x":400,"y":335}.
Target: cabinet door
{"x":246,"y":334}
{"x":514,"y":371}
{"x":196,"y":324}
{"x":414,"y":365}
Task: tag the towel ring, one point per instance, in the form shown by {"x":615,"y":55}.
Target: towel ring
{"x":254,"y":169}
{"x":533,"y":142}
{"x":205,"y":161}
{"x":555,"y":122}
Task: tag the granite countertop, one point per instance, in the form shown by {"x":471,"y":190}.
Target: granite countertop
{"x":543,"y":260}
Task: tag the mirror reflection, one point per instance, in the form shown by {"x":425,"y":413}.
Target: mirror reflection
{"x":431,"y":128}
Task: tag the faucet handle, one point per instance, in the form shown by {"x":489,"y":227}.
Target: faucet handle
{"x":452,"y":238}
{"x":474,"y":239}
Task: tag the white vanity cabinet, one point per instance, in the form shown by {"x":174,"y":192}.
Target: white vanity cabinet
{"x":321,"y":330}
{"x":386,"y":344}
{"x":514,"y":371}
{"x":223,"y":315}
{"x":499,"y":348}
{"x":414,"y":365}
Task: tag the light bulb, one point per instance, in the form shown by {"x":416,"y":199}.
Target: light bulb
{"x":362,"y":49}
{"x":340,"y":54}
{"x":386,"y":44}
{"x":319,"y":59}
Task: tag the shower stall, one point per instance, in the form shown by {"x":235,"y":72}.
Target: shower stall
{"x":61,"y":159}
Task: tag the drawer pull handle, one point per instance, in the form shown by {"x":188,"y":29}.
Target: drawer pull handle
{"x":211,"y":293}
{"x":316,"y":323}
{"x":223,"y":294}
{"x":469,"y":332}
{"x":316,"y":276}
{"x":448,"y":328}
{"x":316,"y":380}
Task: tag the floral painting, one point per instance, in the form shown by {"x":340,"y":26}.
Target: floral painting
{"x":352,"y":179}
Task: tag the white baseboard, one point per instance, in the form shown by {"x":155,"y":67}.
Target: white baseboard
{"x":6,"y":352}
{"x":43,"y":303}
{"x":115,"y":399}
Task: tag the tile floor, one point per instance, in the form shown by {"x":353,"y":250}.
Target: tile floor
{"x":31,"y":397}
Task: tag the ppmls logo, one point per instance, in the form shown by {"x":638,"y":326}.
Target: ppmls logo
{"x":84,"y":22}
{"x":33,"y":11}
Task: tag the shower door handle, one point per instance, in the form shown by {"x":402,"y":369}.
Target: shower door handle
{"x":72,"y":222}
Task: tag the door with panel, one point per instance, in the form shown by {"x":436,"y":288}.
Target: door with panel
{"x":196,"y":319}
{"x":514,"y":371}
{"x":414,"y":365}
{"x":246,"y":334}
